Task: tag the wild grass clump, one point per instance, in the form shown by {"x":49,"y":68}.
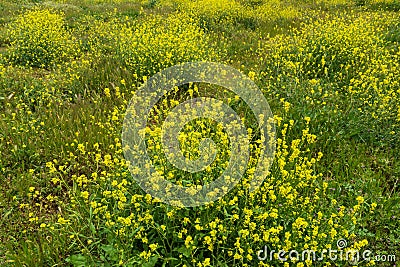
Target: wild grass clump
{"x":250,"y":14}
{"x":353,"y":54}
{"x":145,"y":47}
{"x":67,"y":196}
{"x":39,"y":38}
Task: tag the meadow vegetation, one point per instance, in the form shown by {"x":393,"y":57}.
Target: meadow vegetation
{"x":330,"y":70}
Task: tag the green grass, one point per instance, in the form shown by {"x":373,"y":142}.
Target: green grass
{"x":357,"y":161}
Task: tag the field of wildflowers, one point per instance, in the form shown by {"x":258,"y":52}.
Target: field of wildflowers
{"x":329,"y":69}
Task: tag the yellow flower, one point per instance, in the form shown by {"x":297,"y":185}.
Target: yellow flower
{"x":188,"y":241}
{"x":85,"y":194}
{"x":61,"y":220}
{"x":107,"y":92}
{"x":360,"y":200}
{"x":153,"y":246}
{"x":206,"y":262}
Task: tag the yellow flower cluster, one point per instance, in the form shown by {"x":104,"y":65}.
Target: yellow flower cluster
{"x":247,"y":12}
{"x":351,"y":53}
{"x":152,"y":44}
{"x":237,"y":230}
{"x":84,"y":192}
{"x":39,"y":38}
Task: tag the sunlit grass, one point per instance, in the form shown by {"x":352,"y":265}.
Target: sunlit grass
{"x":329,"y":70}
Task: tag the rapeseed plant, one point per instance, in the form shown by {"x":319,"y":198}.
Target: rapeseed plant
{"x":82,"y":194}
{"x":39,"y":38}
{"x":351,"y":54}
{"x":241,"y":222}
{"x":146,"y":47}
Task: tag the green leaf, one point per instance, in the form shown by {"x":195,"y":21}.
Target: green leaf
{"x":185,"y":251}
{"x":111,"y":252}
{"x":92,"y":228}
{"x":151,"y":263}
{"x":108,"y":248}
{"x":77,"y":260}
